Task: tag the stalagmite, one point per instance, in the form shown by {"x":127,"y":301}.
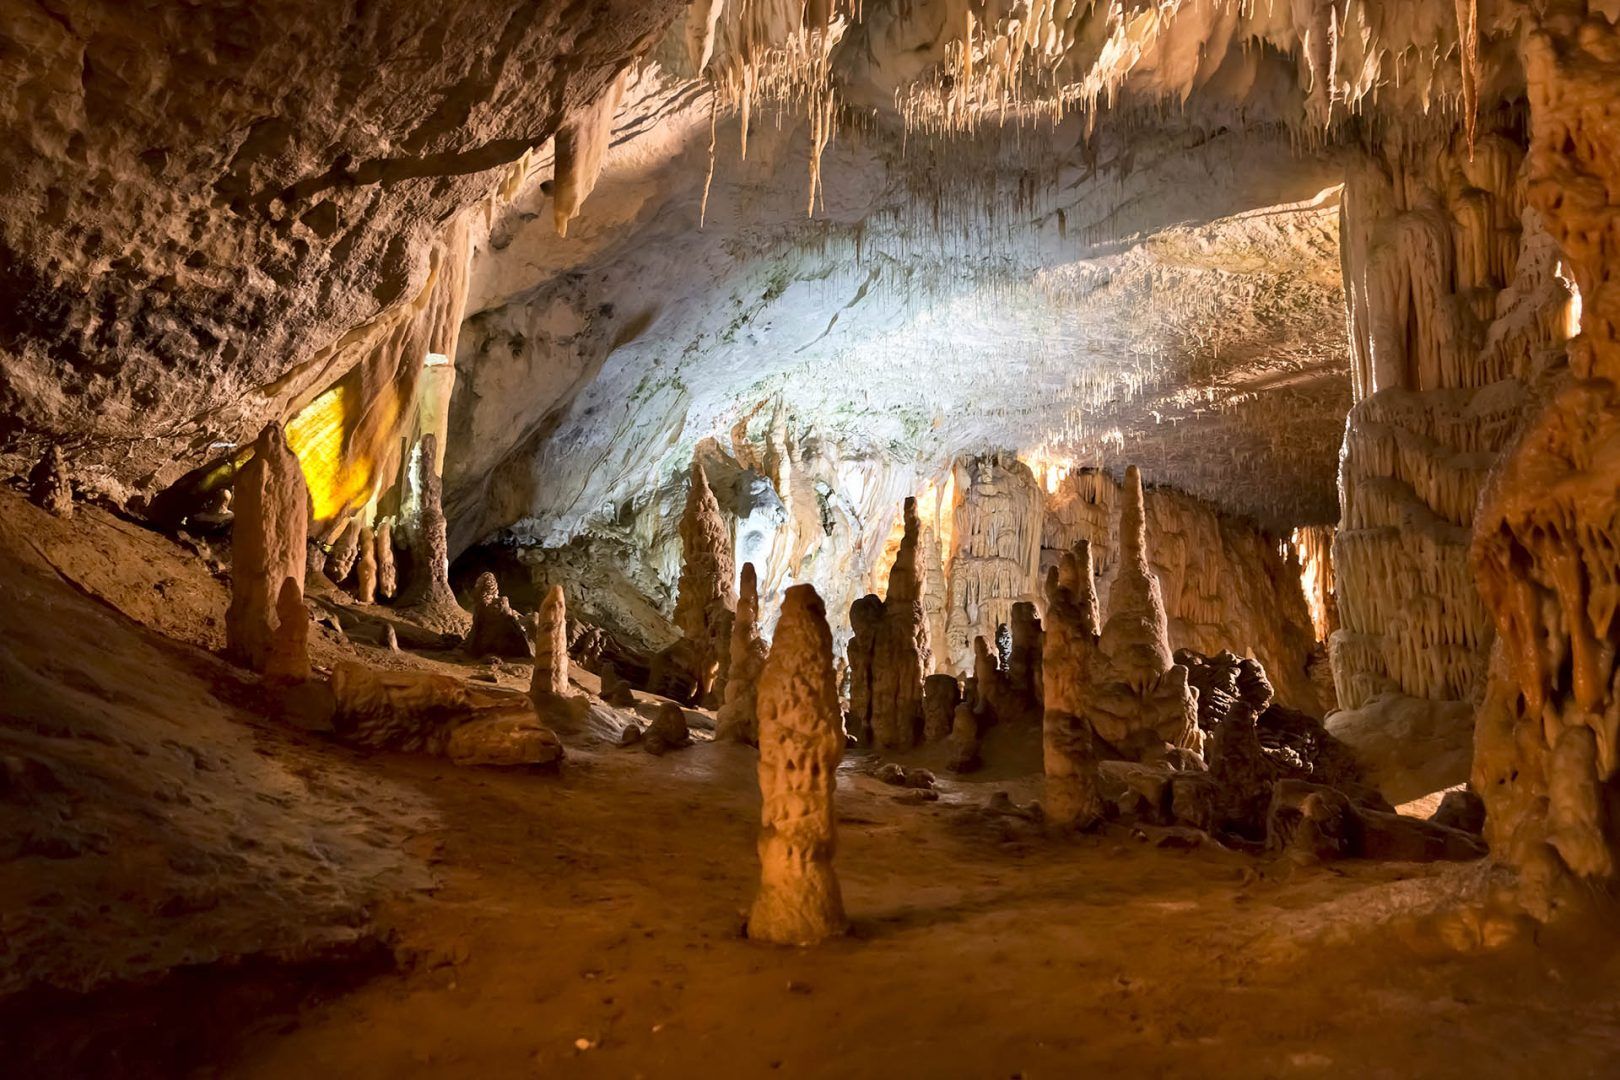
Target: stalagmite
{"x":1070,"y":651}
{"x":739,"y":718}
{"x":365,"y":579}
{"x":964,"y":740}
{"x":941,"y":695}
{"x":48,"y":485}
{"x":550,"y":678}
{"x":705,"y":603}
{"x":1140,"y":699}
{"x":428,"y":593}
{"x":387,"y":579}
{"x":801,"y":740}
{"x":267,"y":625}
{"x":497,"y":630}
{"x":900,"y":653}
{"x":340,"y":563}
{"x":865,"y":616}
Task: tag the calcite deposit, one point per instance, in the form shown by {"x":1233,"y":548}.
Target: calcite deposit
{"x":738,"y":718}
{"x":267,"y":625}
{"x":1070,"y":655}
{"x":801,"y":740}
{"x":1138,"y":699}
{"x":706,"y":600}
{"x":901,"y":656}
{"x":496,"y":630}
{"x":550,"y":678}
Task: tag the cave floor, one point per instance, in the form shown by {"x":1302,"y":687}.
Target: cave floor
{"x":461,"y":922}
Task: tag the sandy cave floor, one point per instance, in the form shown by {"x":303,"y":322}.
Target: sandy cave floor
{"x":391,"y":915}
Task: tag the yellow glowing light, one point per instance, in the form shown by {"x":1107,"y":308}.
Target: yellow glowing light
{"x":318,"y":435}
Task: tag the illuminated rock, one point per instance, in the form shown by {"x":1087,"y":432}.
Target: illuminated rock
{"x":1070,"y":654}
{"x":48,"y":485}
{"x":801,"y":740}
{"x":550,"y":678}
{"x":428,"y":593}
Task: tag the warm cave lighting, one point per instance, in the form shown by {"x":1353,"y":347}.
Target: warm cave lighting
{"x":612,"y":539}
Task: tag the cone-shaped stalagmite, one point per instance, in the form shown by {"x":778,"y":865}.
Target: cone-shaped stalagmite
{"x":739,"y":716}
{"x":900,"y":654}
{"x":1140,"y":698}
{"x":267,"y":626}
{"x":344,"y":550}
{"x":1069,"y":653}
{"x":801,"y":739}
{"x":705,"y":601}
{"x":550,"y":678}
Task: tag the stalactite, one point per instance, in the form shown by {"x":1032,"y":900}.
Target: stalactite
{"x":582,"y":140}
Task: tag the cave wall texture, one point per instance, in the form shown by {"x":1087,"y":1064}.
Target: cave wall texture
{"x":1083,"y":235}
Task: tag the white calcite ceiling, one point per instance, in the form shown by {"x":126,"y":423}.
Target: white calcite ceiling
{"x":1171,"y":297}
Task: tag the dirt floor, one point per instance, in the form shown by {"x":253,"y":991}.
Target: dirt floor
{"x":347,"y":914}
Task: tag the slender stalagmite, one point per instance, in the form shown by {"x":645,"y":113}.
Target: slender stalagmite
{"x":429,"y":589}
{"x":267,"y":626}
{"x":739,"y":716}
{"x":900,"y":655}
{"x":705,"y":599}
{"x":1069,"y":654}
{"x":387,"y":578}
{"x":865,"y":615}
{"x":801,"y":739}
{"x":365,"y":577}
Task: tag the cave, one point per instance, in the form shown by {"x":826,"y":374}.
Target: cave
{"x":865,"y":537}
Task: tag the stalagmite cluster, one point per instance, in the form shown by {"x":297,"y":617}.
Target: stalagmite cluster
{"x":267,"y":625}
{"x":901,"y":656}
{"x":801,"y":740}
{"x":738,"y":718}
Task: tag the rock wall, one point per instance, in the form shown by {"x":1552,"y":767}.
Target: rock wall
{"x":1548,"y":736}
{"x":1453,"y":304}
{"x":209,"y":206}
{"x":995,"y":556}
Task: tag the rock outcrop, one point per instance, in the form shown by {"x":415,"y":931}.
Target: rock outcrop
{"x":738,"y":718}
{"x":801,"y":740}
{"x":267,"y":625}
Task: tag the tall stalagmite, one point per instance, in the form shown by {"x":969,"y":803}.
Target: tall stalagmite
{"x":901,"y":657}
{"x":1140,"y":698}
{"x":801,"y":740}
{"x":387,"y":578}
{"x":1069,"y":652}
{"x":739,"y":717}
{"x":550,"y":678}
{"x":1547,"y":754}
{"x":428,"y":592}
{"x":705,"y":603}
{"x":267,"y":626}
{"x":865,"y":616}
{"x":365,"y":576}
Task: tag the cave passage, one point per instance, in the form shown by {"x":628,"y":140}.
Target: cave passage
{"x":832,"y":538}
